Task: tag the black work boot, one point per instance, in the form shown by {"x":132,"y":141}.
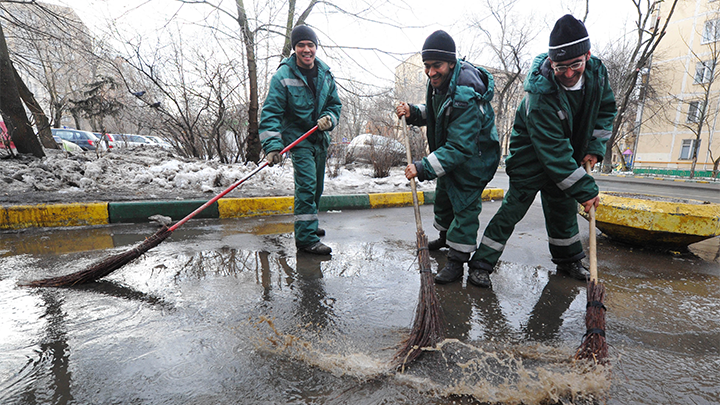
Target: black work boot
{"x":317,"y":249}
{"x":479,"y":274}
{"x":453,"y":271}
{"x":438,"y":243}
{"x":454,"y":268}
{"x":575,"y":269}
{"x":320,"y":232}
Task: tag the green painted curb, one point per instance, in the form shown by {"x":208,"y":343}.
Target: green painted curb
{"x":46,"y":215}
{"x":339,"y":202}
{"x":139,"y":211}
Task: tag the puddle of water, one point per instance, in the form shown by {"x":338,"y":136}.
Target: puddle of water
{"x":227,"y":310}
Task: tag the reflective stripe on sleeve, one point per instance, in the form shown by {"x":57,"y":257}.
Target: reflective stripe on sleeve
{"x":602,"y":134}
{"x":269,"y":134}
{"x":423,"y":111}
{"x":435,"y":164}
{"x":572,"y":179}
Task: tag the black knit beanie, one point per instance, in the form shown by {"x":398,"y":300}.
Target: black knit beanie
{"x":568,"y":39}
{"x":439,"y":46}
{"x":303,"y":33}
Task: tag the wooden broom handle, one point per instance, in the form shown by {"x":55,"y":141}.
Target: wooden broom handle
{"x":592,"y":237}
{"x":413,"y":187}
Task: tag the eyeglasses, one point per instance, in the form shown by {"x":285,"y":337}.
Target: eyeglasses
{"x":563,"y":68}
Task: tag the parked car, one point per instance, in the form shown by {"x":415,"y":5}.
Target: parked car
{"x":84,"y":139}
{"x":130,"y":141}
{"x":66,"y":145}
{"x":367,"y":148}
{"x":157,"y":141}
{"x":108,"y":137}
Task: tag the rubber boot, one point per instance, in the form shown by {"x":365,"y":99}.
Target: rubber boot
{"x":479,"y":274}
{"x":317,"y":249}
{"x":438,"y":243}
{"x":574,"y":269}
{"x":454,"y":268}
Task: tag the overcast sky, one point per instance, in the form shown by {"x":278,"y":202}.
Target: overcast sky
{"x":607,"y":20}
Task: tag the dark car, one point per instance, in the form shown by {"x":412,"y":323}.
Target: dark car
{"x":84,"y":139}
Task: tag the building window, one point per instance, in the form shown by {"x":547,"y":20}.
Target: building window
{"x":711,"y":33}
{"x":694,"y":111}
{"x":703,"y":71}
{"x":688,"y":149}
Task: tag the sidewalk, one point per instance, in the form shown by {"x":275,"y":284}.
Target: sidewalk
{"x":104,"y":213}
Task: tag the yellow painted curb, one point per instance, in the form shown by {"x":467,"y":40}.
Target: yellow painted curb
{"x":493,"y":194}
{"x":251,"y":207}
{"x":44,"y":215}
{"x":383,"y":200}
{"x":652,"y":220}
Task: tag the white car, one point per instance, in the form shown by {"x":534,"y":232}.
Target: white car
{"x":368,"y":148}
{"x":131,"y":141}
{"x":157,"y":141}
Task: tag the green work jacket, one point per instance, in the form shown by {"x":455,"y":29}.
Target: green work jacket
{"x":461,"y":134}
{"x":290,"y":109}
{"x":543,"y":146}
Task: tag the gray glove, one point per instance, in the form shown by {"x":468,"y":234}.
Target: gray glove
{"x":324,"y":123}
{"x":273,"y":158}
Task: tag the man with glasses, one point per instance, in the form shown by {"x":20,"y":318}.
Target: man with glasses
{"x":564,"y":121}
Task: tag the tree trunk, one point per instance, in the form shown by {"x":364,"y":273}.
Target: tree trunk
{"x":694,"y":158}
{"x":253,"y":138}
{"x":13,"y":111}
{"x":287,"y":48}
{"x":41,"y":120}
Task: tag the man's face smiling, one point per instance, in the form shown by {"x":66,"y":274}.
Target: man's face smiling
{"x":438,"y":72}
{"x":305,"y":51}
{"x":569,"y":72}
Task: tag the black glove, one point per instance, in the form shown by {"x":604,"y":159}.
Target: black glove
{"x":273,"y":158}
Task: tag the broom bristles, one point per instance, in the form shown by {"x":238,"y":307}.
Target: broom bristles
{"x":594,"y":346}
{"x":428,"y":322}
{"x":103,"y":268}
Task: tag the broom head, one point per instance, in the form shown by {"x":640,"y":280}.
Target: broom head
{"x":428,"y":322}
{"x":594,"y":346}
{"x":104,"y":267}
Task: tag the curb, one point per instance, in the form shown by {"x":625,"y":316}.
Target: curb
{"x":651,"y":177}
{"x":90,"y":214}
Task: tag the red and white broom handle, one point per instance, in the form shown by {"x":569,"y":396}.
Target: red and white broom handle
{"x":239,"y":182}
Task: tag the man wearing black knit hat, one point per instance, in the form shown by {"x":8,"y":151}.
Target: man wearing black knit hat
{"x":464,"y":148}
{"x":564,"y":121}
{"x":302,"y":94}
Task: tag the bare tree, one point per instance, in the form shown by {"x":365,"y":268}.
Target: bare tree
{"x":644,"y":104}
{"x":650,"y":28}
{"x":507,"y":37}
{"x":11,"y":107}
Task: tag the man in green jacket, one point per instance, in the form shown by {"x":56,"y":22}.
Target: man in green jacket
{"x":564,"y":121}
{"x":302,"y":93}
{"x":464,"y":148}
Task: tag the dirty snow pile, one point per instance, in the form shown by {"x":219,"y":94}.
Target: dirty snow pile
{"x":157,"y":174}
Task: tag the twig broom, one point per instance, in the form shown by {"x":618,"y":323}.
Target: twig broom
{"x":594,"y":346}
{"x":103,"y":268}
{"x":427,"y":325}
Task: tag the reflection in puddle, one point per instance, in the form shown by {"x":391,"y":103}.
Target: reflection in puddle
{"x":228,"y":310}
